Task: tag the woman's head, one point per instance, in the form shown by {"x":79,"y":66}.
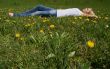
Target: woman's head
{"x":88,"y":11}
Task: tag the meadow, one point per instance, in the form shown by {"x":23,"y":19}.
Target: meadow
{"x":54,"y":43}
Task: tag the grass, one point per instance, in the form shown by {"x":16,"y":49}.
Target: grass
{"x":54,"y":43}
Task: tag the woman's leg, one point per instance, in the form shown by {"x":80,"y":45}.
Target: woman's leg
{"x":46,"y":13}
{"x":28,"y":13}
{"x":38,"y":8}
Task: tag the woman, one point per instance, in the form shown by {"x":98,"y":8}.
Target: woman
{"x":44,"y":11}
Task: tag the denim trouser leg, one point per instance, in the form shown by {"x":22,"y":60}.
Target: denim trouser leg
{"x":45,"y":13}
{"x":39,"y":10}
{"x":39,"y":13}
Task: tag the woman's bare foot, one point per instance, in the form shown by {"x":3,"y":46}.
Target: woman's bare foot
{"x":11,"y":14}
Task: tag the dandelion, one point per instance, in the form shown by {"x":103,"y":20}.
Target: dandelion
{"x":41,"y":31}
{"x":27,"y":25}
{"x":87,"y":19}
{"x":52,"y":26}
{"x":33,"y":23}
{"x":99,"y":17}
{"x":29,"y":19}
{"x":75,"y":18}
{"x":17,"y":35}
{"x":10,"y":10}
{"x":106,"y":18}
{"x":94,"y":21}
{"x":45,"y":20}
{"x":73,"y":22}
{"x":90,"y":43}
{"x":39,"y":17}
{"x":80,"y":17}
{"x":96,"y":18}
{"x":22,"y":38}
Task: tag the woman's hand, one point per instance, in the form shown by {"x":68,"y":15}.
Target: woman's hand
{"x":10,"y":14}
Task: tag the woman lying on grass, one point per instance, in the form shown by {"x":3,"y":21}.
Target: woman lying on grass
{"x":44,"y":11}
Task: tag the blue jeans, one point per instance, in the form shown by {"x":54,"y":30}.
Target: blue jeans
{"x":39,"y":10}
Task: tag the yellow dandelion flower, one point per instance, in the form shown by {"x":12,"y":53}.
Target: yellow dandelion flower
{"x":94,"y":21}
{"x":39,"y":17}
{"x":87,"y":19}
{"x":75,"y":18}
{"x":90,"y":43}
{"x":27,"y":25}
{"x":29,"y":19}
{"x":22,"y":38}
{"x":10,"y":10}
{"x":45,"y":20}
{"x":99,"y":17}
{"x":52,"y":26}
{"x":106,"y":18}
{"x":41,"y":31}
{"x":33,"y":23}
{"x":80,"y":17}
{"x":17,"y":35}
{"x":73,"y":22}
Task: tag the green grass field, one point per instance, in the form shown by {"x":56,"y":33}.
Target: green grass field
{"x":54,"y":43}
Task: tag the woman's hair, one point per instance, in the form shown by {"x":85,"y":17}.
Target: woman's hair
{"x":88,"y":11}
